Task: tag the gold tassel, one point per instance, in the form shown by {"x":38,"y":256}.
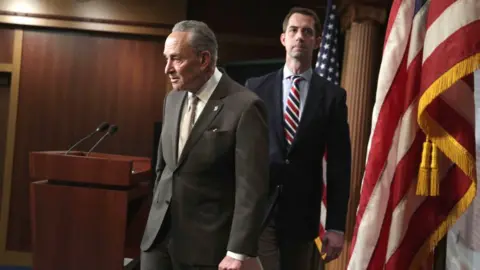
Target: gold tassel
{"x":423,"y":185}
{"x":434,"y":179}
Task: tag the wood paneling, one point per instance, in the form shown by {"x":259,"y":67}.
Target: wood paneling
{"x":6,"y":45}
{"x":4,"y":101}
{"x":139,"y":12}
{"x":248,"y":17}
{"x":232,"y":52}
{"x":83,"y":25}
{"x":70,"y":82}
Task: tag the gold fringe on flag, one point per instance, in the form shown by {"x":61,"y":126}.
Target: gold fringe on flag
{"x":439,"y":138}
{"x":423,"y":185}
{"x":434,"y":179}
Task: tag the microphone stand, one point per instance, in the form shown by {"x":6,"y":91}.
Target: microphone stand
{"x":99,"y":141}
{"x":111,"y":130}
{"x":88,"y":136}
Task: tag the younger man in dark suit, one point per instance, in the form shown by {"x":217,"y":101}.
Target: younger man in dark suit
{"x":307,"y":114}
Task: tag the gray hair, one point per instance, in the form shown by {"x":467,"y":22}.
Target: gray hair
{"x":202,"y":38}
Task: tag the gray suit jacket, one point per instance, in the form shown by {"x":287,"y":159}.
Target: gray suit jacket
{"x":216,"y":192}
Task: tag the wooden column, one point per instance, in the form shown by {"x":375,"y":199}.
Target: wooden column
{"x":363,"y":49}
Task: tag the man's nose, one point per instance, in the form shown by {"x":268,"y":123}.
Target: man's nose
{"x":168,"y":67}
{"x":300,"y":35}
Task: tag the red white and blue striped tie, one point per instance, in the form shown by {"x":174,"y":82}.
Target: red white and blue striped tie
{"x":292,"y":111}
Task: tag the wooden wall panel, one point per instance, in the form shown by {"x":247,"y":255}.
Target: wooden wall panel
{"x":6,"y":45}
{"x":139,"y":12}
{"x":4,"y":101}
{"x":70,"y":82}
{"x":233,"y":52}
{"x":248,"y":17}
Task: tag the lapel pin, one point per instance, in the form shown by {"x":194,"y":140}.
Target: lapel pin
{"x":215,"y":108}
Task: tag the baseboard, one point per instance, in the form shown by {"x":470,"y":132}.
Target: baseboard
{"x":14,"y":268}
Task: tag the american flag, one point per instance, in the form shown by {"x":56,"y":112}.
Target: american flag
{"x":423,"y":121}
{"x":328,"y":59}
{"x":328,"y":66}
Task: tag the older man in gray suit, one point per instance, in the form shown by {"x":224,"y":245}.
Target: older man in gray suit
{"x":212,"y":172}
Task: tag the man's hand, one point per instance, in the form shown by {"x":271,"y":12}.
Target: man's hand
{"x":229,"y":263}
{"x":332,"y":244}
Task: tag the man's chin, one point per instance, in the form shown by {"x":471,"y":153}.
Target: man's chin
{"x":175,"y":87}
{"x":299,"y":55}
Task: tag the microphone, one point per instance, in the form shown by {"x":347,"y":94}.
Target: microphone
{"x":101,"y":128}
{"x":111,"y":130}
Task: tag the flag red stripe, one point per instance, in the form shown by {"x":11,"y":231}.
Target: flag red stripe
{"x":377,"y":261}
{"x":429,"y":216}
{"x":407,"y":169}
{"x":434,"y":11}
{"x":469,"y":79}
{"x":453,"y":123}
{"x":448,"y":54}
{"x":391,"y":19}
{"x":397,"y":101}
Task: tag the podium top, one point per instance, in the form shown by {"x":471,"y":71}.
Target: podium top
{"x":96,"y":168}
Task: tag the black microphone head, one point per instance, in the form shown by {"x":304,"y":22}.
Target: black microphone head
{"x":112,"y":130}
{"x":103,"y":126}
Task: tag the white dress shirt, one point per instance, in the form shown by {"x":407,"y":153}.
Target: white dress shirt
{"x":203,"y":96}
{"x":304,"y":85}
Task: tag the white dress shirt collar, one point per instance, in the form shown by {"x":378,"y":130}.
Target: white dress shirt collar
{"x":207,"y":89}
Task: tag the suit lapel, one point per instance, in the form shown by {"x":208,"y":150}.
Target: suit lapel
{"x":177,"y":117}
{"x":210,"y":111}
{"x":278,"y":109}
{"x":314,"y":96}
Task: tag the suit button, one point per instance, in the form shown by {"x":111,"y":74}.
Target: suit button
{"x":287,"y":161}
{"x":167,"y":201}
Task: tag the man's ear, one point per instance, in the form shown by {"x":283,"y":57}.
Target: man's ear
{"x":205,"y":59}
{"x":282,"y":39}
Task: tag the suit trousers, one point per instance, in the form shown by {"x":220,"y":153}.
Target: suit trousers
{"x":280,"y":254}
{"x":158,"y":257}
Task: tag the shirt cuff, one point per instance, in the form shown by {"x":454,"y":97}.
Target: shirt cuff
{"x":236,"y":256}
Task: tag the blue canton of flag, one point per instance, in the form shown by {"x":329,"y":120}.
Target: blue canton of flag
{"x":328,"y":60}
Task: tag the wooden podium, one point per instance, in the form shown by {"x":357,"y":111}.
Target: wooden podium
{"x":88,"y":212}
